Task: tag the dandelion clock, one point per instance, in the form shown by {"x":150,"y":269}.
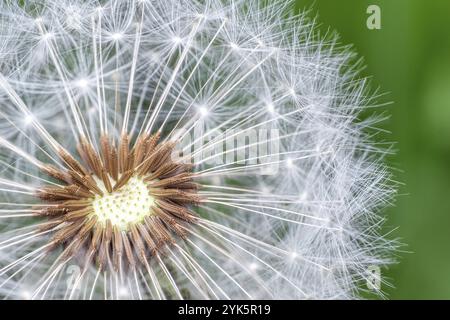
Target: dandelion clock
{"x":184,"y":150}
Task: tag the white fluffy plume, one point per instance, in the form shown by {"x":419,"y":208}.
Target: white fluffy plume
{"x":295,"y":215}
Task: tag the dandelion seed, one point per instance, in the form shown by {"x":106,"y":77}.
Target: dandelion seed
{"x":26,"y":295}
{"x":289,"y":163}
{"x":28,"y":120}
{"x":82,"y":83}
{"x":176,"y":40}
{"x":117,"y":36}
{"x":203,"y":111}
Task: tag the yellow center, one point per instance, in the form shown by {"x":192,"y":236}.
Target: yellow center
{"x":129,"y":204}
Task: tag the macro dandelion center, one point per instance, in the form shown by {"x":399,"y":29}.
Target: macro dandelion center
{"x":185,"y":149}
{"x":126,"y":204}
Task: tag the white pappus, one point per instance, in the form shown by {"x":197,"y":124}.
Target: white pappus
{"x":184,"y":149}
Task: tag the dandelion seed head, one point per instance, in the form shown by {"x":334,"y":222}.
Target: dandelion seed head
{"x":178,"y":149}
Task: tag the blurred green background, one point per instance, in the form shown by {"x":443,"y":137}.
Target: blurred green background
{"x":409,"y":58}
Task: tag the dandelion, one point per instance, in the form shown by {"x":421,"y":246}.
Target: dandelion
{"x":183,"y":149}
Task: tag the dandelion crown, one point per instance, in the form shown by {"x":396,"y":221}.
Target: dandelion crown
{"x":183,"y":149}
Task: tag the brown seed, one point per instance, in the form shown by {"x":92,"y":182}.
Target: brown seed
{"x":106,"y":152}
{"x":71,"y":162}
{"x":90,"y":156}
{"x":140,"y":149}
{"x":106,"y":181}
{"x":138,"y":244}
{"x":172,"y":181}
{"x":123,"y":153}
{"x":147,"y":238}
{"x":123,"y":180}
{"x":57,"y":173}
{"x":117,"y":248}
{"x":73,"y":215}
{"x":128,"y":250}
{"x":114,"y":164}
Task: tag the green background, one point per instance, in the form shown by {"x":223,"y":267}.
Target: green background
{"x":409,"y":58}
